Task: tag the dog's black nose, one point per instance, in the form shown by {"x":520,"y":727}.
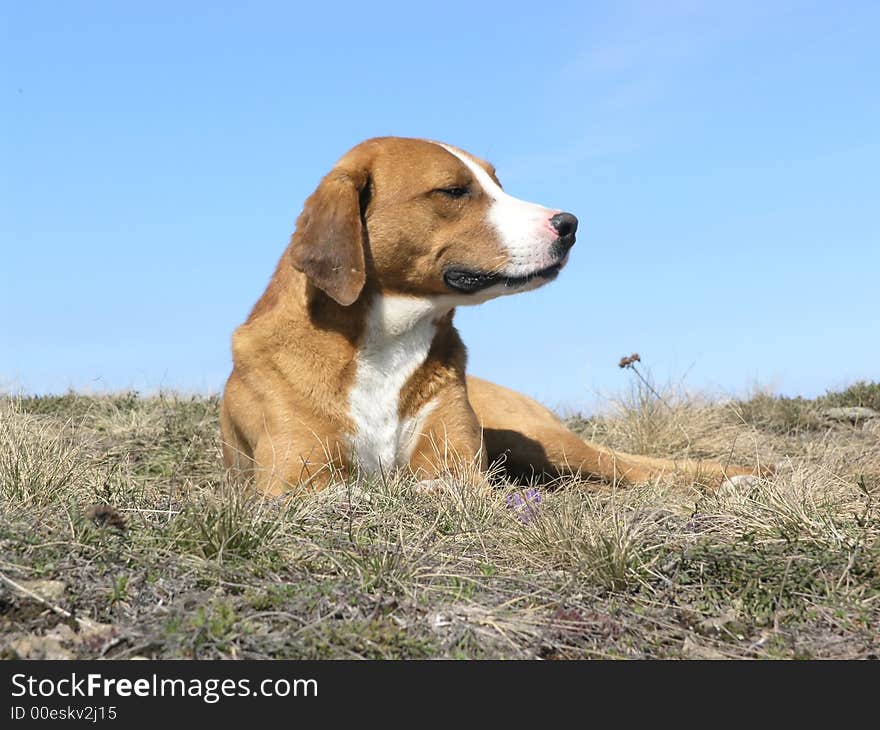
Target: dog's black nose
{"x":565,"y":224}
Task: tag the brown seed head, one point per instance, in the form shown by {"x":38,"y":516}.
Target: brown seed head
{"x":103,"y":515}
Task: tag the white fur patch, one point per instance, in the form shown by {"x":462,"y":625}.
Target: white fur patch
{"x":398,"y":334}
{"x":742,"y":481}
{"x":523,"y":228}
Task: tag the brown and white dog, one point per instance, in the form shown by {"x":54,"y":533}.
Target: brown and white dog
{"x":350,"y":362}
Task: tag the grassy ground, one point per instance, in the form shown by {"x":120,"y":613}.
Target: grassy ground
{"x":119,"y":537}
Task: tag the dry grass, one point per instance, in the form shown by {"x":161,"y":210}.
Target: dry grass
{"x":124,"y":501}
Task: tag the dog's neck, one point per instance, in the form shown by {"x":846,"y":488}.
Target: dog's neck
{"x":395,"y":316}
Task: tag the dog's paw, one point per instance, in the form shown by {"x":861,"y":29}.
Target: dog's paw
{"x":433,"y":487}
{"x":741,"y":481}
{"x":451,"y":487}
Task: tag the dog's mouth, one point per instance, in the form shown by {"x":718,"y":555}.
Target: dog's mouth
{"x":469,"y":282}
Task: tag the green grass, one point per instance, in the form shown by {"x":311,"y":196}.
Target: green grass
{"x":862,"y":393}
{"x":124,"y":500}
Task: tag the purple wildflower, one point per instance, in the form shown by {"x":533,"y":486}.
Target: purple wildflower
{"x":525,"y":504}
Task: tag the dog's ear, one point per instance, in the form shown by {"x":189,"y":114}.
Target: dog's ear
{"x":328,"y":244}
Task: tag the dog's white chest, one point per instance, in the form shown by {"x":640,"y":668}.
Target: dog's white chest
{"x":399,"y":332}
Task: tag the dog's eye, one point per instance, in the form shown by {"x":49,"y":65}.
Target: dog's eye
{"x":453,"y":192}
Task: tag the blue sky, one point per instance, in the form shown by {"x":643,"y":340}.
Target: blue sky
{"x":722,"y":158}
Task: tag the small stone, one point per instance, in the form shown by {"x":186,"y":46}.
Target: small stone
{"x":48,"y":590}
{"x":439,"y":621}
{"x":89,"y":628}
{"x":727,"y":623}
{"x":692,"y":649}
{"x":32,"y":646}
{"x":64,"y":634}
{"x":96,"y":635}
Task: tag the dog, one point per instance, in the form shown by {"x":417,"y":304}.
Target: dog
{"x":349,"y":363}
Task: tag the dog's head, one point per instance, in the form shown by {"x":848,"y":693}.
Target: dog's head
{"x":425,"y":219}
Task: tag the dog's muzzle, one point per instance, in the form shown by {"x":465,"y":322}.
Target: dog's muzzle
{"x":469,"y":281}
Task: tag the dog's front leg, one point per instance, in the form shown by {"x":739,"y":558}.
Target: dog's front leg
{"x":448,"y":445}
{"x":286,"y":462}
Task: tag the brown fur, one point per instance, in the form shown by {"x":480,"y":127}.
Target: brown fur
{"x":379,"y":224}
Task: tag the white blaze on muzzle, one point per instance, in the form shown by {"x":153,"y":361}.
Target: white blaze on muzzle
{"x":523,"y":228}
